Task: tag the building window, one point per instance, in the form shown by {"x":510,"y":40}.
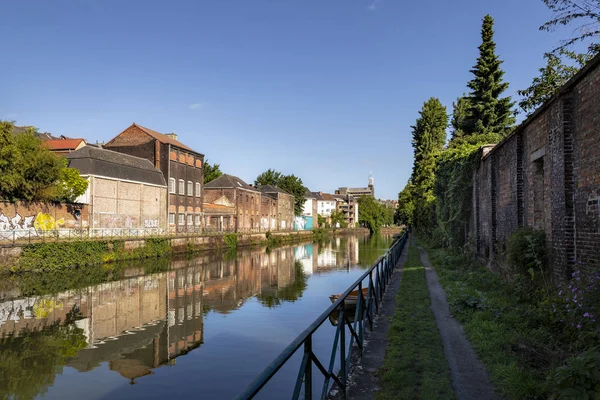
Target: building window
{"x":190,"y":187}
{"x":181,"y":186}
{"x":198,"y":192}
{"x":180,"y":220}
{"x":197,"y":219}
{"x":190,"y":220}
{"x":171,"y":185}
{"x":172,"y":217}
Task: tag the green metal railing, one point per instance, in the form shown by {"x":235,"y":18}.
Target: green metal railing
{"x":377,"y":277}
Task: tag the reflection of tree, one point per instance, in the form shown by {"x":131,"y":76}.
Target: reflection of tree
{"x":30,"y":362}
{"x":289,"y":293}
{"x":371,"y":248}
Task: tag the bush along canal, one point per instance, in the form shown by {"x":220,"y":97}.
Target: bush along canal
{"x":203,"y":324}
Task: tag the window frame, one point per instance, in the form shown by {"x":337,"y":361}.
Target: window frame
{"x":180,"y":219}
{"x":198,"y":189}
{"x":181,"y":187}
{"x":172,"y":186}
{"x":171,"y":218}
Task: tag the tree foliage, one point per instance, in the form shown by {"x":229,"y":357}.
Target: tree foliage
{"x":289,"y":183}
{"x":338,"y":219}
{"x":31,"y":172}
{"x":371,"y":213}
{"x":583,"y":13}
{"x":429,"y":136}
{"x":406,"y":206}
{"x":487,"y":111}
{"x":211,"y":172}
{"x":460,"y":114}
{"x":555,"y":74}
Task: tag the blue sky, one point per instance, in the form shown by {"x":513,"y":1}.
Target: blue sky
{"x":326,"y":90}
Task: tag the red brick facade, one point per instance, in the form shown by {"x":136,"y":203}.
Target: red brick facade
{"x":546,"y":175}
{"x":181,"y":166}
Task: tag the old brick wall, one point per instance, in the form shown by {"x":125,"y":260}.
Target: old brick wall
{"x":586,"y":169}
{"x":546,"y":176}
{"x":26,"y":218}
{"x":127,"y":205}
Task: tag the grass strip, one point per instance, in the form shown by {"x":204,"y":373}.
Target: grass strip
{"x":414,"y":366}
{"x":516,"y":349}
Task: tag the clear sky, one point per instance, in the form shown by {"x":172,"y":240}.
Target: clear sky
{"x":324,"y":89}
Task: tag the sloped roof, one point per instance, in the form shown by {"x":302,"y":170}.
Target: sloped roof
{"x":228,"y":181}
{"x":161,"y":137}
{"x":273,"y":189}
{"x":317,"y":195}
{"x":63,"y":144}
{"x":327,"y":197}
{"x":90,"y":160}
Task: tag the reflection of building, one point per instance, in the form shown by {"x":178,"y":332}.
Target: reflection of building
{"x":142,"y":322}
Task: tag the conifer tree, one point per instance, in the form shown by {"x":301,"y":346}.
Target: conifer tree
{"x":488,"y":112}
{"x":429,"y":136}
{"x":460,"y":113}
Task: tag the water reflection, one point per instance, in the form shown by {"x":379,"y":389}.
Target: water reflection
{"x":136,"y":319}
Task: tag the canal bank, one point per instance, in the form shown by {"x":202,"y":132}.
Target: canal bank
{"x":170,"y":325}
{"x":61,"y":254}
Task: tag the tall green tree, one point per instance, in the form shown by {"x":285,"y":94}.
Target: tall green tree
{"x":561,"y":65}
{"x":488,"y":112}
{"x":406,"y":206}
{"x":31,"y":172}
{"x":584,"y":14}
{"x":460,"y":113}
{"x":211,"y":172}
{"x":269,"y":177}
{"x":429,"y":136}
{"x":289,"y":183}
{"x":371,"y":213}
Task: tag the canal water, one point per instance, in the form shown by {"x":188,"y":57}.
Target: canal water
{"x":201,"y":326}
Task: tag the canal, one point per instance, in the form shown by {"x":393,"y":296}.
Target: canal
{"x":201,"y":326}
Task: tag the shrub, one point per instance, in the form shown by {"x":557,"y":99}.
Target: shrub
{"x":231,"y":240}
{"x":579,"y":378}
{"x":526,"y":252}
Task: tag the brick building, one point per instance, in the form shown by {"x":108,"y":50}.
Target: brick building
{"x":268,"y":213}
{"x":181,"y":166}
{"x":285,"y":206}
{"x":124,"y":192}
{"x":546,"y":175}
{"x":245,"y":199}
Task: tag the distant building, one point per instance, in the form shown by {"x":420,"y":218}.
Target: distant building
{"x":181,"y":166}
{"x":326,"y":204}
{"x":308,"y":220}
{"x":233,"y":192}
{"x":285,"y":206}
{"x":357,"y":192}
{"x":64,"y":145}
{"x":124,"y":192}
{"x":349,"y":207}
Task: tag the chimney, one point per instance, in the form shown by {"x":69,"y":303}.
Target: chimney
{"x":172,"y":135}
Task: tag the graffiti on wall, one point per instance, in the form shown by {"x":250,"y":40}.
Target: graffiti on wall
{"x":303,"y":223}
{"x":21,"y":226}
{"x":150,"y":223}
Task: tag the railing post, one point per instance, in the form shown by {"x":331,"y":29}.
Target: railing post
{"x":342,"y":321}
{"x":308,"y":369}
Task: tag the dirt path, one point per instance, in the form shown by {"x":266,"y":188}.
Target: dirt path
{"x":362,"y":379}
{"x":469,"y":377}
